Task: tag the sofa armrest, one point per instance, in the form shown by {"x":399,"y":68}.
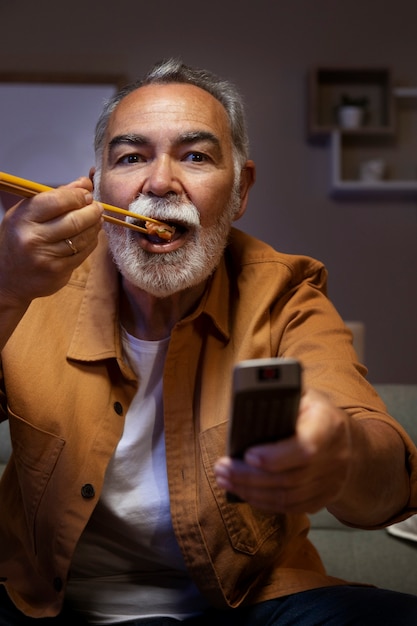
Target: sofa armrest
{"x":374,"y":557}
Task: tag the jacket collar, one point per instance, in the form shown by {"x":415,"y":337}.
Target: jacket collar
{"x":96,"y":332}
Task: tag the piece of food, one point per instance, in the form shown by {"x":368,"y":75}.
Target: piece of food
{"x":163,"y":231}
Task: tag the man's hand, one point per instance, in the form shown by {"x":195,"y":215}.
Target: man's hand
{"x":35,"y":258}
{"x":332,"y":461}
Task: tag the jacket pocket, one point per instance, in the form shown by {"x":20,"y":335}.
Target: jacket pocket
{"x":247,"y":528}
{"x":35,"y":454}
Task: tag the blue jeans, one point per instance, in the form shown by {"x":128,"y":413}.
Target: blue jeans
{"x":347,"y":605}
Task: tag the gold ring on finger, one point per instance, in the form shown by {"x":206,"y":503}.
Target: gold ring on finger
{"x":73,"y":248}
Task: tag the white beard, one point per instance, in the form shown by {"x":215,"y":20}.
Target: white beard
{"x":164,"y":274}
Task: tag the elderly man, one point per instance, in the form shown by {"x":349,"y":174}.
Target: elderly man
{"x":117,"y":353}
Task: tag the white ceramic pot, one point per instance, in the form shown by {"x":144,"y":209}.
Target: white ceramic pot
{"x":350,"y":116}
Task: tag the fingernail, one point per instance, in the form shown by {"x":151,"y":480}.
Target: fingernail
{"x":253,"y":459}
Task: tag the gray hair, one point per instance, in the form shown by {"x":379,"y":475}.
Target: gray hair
{"x":174,"y":71}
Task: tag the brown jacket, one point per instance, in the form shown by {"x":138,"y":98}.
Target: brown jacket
{"x":65,"y":389}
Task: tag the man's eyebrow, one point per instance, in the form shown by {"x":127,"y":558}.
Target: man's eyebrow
{"x":194,"y":136}
{"x":132,"y":139}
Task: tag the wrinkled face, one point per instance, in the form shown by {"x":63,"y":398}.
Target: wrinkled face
{"x":168,"y":155}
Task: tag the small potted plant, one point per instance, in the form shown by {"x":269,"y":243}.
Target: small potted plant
{"x":351,"y":111}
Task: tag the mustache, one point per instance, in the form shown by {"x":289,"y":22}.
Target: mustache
{"x":166,"y":209}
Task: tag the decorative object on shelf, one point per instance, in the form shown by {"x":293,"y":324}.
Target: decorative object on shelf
{"x":352,"y":111}
{"x":373,"y":170}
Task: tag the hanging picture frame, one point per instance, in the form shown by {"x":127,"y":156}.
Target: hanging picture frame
{"x":47,"y":124}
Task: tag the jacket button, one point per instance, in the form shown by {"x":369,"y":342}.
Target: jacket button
{"x":57,"y":583}
{"x":118,"y":408}
{"x":88,"y":491}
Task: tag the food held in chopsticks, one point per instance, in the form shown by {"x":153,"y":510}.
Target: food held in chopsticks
{"x":163,"y":231}
{"x":28,"y":188}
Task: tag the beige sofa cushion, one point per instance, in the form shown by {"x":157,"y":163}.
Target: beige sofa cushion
{"x":5,"y":447}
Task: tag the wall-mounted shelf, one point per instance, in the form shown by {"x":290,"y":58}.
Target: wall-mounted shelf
{"x":389,"y":134}
{"x":341,"y":186}
{"x":327,"y":85}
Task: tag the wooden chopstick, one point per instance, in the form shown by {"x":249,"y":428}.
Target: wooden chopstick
{"x":28,"y":188}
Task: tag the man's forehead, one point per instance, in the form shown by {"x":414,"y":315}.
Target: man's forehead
{"x":175,"y":103}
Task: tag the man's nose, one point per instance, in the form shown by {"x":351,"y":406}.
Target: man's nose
{"x":162,"y":177}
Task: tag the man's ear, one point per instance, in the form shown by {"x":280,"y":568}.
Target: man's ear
{"x":91,"y":174}
{"x":247,"y":179}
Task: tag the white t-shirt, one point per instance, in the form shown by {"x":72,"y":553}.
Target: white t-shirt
{"x":127,"y":564}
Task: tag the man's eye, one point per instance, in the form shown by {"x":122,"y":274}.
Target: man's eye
{"x":131,"y":158}
{"x":196,"y":157}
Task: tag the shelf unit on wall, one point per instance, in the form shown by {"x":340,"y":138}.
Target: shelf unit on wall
{"x":342,"y":186}
{"x":327,"y":85}
{"x":389,"y":132}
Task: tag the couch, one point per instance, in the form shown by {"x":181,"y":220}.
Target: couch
{"x":376,"y":557}
{"x":4,"y":445}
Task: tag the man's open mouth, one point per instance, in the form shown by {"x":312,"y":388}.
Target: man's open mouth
{"x":162,"y":232}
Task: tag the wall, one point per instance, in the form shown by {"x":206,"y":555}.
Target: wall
{"x":266,"y":48}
